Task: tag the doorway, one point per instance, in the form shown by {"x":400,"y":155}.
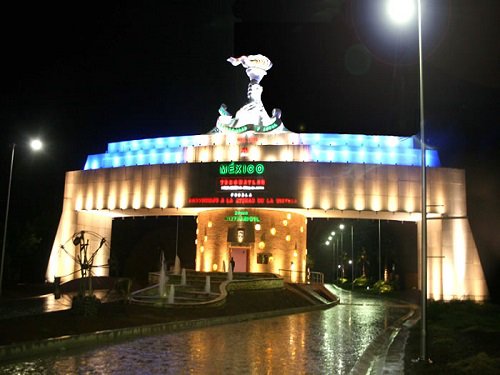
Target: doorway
{"x":240,"y":256}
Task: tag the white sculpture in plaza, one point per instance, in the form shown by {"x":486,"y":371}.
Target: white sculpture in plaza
{"x":252,"y":116}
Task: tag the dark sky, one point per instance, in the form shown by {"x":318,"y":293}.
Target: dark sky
{"x":82,"y":75}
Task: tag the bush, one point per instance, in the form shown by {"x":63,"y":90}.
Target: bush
{"x":361,"y":282}
{"x":382,"y":287}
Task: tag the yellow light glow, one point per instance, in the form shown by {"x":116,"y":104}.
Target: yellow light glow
{"x":289,"y":216}
{"x":205,"y":239}
{"x":234,"y":152}
{"x":359,"y":203}
{"x":136,"y":203}
{"x":112,"y":200}
{"x":295,"y":254}
{"x":99,"y":204}
{"x":219,"y":153}
{"x":79,"y":202}
{"x":254,"y":153}
{"x":262,"y":245}
{"x":325,"y":203}
{"x":137,"y":193}
{"x":376,"y":203}
{"x":151,"y":195}
{"x":124,"y":197}
{"x":204,"y":155}
{"x":288,"y":237}
{"x":409,"y":204}
{"x":285,"y":223}
{"x":202,"y":249}
{"x":342,"y":200}
{"x":163,"y":192}
{"x":179,"y":197}
{"x":308,"y":195}
{"x":273,"y":231}
{"x":89,"y":201}
{"x":301,"y":229}
{"x":190,"y":154}
{"x":210,"y":224}
{"x":257,"y":227}
{"x":214,"y":267}
{"x":392,"y":203}
{"x":100,"y":195}
{"x":286,"y":155}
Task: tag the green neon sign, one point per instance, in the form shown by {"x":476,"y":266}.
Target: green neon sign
{"x":242,"y":216}
{"x":238,"y":169}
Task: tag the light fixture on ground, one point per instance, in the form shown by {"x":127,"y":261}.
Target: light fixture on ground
{"x":36,"y":145}
{"x":400,"y":12}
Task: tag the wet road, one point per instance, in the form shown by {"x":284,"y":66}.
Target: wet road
{"x":320,"y":342}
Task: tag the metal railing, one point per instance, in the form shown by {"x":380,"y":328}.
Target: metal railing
{"x":292,"y":276}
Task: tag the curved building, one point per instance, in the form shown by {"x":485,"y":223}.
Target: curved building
{"x":253,"y":185}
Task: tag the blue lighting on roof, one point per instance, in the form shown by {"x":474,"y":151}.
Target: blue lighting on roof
{"x":323,"y":148}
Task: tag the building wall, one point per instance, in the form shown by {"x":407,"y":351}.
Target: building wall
{"x":337,"y":190}
{"x":284,"y":247}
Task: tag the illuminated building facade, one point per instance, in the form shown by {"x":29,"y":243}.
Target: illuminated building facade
{"x":253,"y":186}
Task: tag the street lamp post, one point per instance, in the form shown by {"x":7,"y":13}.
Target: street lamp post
{"x":341,"y":227}
{"x":35,"y":145}
{"x":352,"y":256}
{"x":327,"y":243}
{"x":401,"y":11}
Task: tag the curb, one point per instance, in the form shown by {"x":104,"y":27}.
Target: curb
{"x":373,"y":358}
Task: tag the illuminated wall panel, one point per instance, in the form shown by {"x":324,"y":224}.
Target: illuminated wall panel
{"x":334,"y":148}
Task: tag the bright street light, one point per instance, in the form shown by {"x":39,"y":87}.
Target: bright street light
{"x":400,"y":11}
{"x":35,"y":145}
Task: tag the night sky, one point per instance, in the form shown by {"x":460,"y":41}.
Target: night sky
{"x":80,"y":76}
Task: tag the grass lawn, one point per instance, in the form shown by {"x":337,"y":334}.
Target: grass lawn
{"x":463,"y":338}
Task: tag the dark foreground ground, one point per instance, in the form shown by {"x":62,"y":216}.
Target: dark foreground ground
{"x":120,"y":315}
{"x":463,"y":338}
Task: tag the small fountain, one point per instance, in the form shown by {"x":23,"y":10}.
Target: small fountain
{"x":171,"y":294}
{"x":163,"y":279}
{"x":208,"y":289}
{"x":183,"y":277}
{"x":177,"y":265}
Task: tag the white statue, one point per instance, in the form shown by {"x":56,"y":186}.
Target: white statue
{"x":252,"y":116}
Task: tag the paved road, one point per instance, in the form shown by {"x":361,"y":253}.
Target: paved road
{"x":320,"y":342}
